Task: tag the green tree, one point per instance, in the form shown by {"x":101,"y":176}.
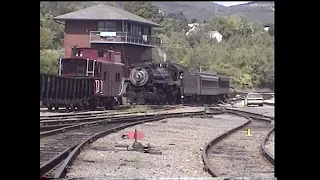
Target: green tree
{"x":194,"y":21}
{"x":144,"y":9}
{"x":49,"y":61}
{"x":45,"y":38}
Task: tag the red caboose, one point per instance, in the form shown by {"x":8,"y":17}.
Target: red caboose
{"x":85,"y":63}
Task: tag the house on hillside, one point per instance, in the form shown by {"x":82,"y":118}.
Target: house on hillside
{"x":194,"y":27}
{"x":191,"y":25}
{"x":108,"y":27}
{"x":215,"y":35}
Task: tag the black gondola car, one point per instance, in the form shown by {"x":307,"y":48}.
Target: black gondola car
{"x":61,"y":90}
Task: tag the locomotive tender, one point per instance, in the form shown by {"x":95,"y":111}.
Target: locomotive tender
{"x":89,"y":79}
{"x":161,"y":83}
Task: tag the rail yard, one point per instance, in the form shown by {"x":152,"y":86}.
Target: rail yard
{"x":111,"y":111}
{"x":177,"y":142}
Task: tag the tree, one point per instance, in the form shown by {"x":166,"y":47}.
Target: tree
{"x":174,"y":22}
{"x":194,"y":21}
{"x":45,"y":38}
{"x":49,"y":61}
{"x":144,"y":9}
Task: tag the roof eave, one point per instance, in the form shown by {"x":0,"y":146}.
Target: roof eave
{"x":64,"y":19}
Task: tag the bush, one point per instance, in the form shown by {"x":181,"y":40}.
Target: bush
{"x":49,"y":60}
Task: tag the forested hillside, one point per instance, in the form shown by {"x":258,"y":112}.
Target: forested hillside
{"x":246,"y":52}
{"x":255,"y":11}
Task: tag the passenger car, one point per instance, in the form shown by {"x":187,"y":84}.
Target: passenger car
{"x":253,"y":99}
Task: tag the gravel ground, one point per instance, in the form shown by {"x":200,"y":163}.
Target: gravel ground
{"x":179,"y":139}
{"x":239,"y":155}
{"x":270,"y":144}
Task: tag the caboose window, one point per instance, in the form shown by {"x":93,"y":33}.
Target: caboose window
{"x":75,"y":67}
{"x":117,"y":77}
{"x":100,"y":53}
{"x":81,"y":67}
{"x":105,"y":76}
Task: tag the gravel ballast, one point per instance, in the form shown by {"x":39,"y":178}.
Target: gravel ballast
{"x":177,"y":108}
{"x":239,"y":155}
{"x":179,"y":139}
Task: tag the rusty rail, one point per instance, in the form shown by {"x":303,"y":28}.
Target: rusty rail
{"x":52,"y":163}
{"x":59,"y":127}
{"x":264,"y":151}
{"x":99,"y":112}
{"x":80,"y":125}
{"x":61,"y":171}
{"x":250,"y":114}
{"x":78,"y":116}
{"x":103,"y":120}
{"x":211,"y":170}
{"x":87,"y":119}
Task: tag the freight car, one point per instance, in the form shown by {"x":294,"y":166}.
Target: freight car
{"x":161,"y":83}
{"x":90,"y":78}
{"x":71,"y":92}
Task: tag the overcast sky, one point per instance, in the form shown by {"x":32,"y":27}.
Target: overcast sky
{"x":230,"y":3}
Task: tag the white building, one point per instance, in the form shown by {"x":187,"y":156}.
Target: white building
{"x":215,"y":35}
{"x":193,"y":24}
{"x":193,"y":29}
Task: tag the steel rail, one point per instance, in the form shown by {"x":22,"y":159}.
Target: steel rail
{"x":76,"y":151}
{"x":252,"y":115}
{"x":209,"y":168}
{"x":264,"y":151}
{"x":88,"y":119}
{"x":52,"y":163}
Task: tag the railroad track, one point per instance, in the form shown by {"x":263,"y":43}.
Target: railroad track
{"x":73,"y":121}
{"x":54,"y":161}
{"x":95,"y":113}
{"x":268,"y":155}
{"x":230,"y":147}
{"x":61,"y":121}
{"x":67,"y":146}
{"x":51,"y":126}
{"x":50,"y":130}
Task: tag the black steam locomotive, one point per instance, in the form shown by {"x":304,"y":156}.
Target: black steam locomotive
{"x":168,"y":83}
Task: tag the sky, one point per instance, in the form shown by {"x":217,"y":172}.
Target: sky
{"x":230,"y":3}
